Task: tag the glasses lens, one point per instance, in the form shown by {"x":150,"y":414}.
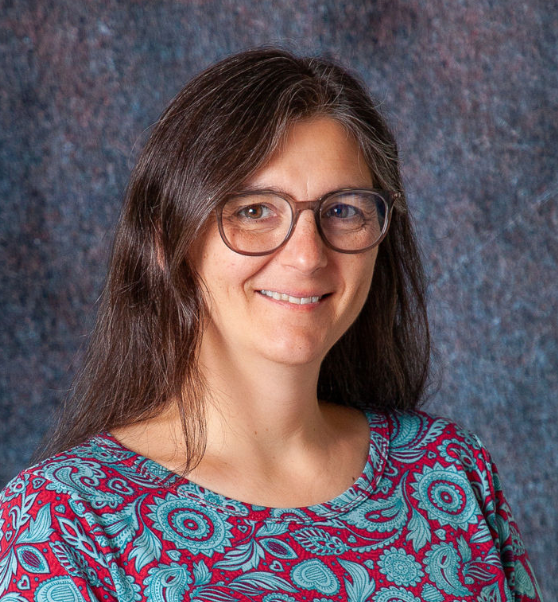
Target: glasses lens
{"x":255,"y":223}
{"x":352,"y":221}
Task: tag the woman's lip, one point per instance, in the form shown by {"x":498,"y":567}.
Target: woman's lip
{"x":298,"y":299}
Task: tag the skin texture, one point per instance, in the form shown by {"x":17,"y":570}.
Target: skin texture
{"x":269,"y":439}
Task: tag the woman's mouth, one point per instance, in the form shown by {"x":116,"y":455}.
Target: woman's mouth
{"x":290,"y":298}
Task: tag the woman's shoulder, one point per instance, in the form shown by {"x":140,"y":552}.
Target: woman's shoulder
{"x":435,"y":456}
{"x":417,"y":427}
{"x":417,"y":437}
{"x":51,"y":516}
{"x":98,"y":471}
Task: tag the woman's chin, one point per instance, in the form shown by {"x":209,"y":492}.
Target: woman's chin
{"x":295,"y":351}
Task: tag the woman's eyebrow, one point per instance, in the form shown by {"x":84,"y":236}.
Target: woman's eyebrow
{"x":254,"y":188}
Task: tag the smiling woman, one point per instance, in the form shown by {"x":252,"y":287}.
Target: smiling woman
{"x":245,"y":426}
{"x":251,"y":327}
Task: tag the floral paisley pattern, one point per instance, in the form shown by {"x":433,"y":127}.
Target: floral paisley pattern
{"x":400,"y":567}
{"x":395,"y":594}
{"x":425,"y":521}
{"x":195,"y":528}
{"x":443,"y":493}
{"x":127,"y":590}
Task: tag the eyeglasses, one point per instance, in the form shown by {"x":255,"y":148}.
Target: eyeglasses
{"x":349,"y":220}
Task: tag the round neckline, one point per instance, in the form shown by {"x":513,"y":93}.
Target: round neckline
{"x":134,"y":464}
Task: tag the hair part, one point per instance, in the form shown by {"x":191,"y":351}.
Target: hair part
{"x":220,"y":129}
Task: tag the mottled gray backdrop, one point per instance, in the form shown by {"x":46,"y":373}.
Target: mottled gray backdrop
{"x":471,"y":89}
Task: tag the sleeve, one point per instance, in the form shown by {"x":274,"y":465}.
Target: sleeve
{"x":46,"y":552}
{"x":523,"y":586}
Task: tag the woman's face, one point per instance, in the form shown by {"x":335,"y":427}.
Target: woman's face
{"x":318,"y":156}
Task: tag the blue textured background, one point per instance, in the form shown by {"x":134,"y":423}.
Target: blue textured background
{"x":471,"y":89}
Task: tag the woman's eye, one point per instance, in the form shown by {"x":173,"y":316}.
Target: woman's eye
{"x":254,"y":212}
{"x":342,"y":211}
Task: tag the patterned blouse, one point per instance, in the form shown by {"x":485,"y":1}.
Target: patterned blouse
{"x":426,"y":521}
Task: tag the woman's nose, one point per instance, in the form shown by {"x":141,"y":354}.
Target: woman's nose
{"x":305,"y":249}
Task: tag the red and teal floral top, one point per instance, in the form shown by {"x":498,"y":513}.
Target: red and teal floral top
{"x":425,"y":522}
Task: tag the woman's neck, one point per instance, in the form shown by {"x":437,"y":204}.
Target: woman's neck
{"x":269,"y":440}
{"x":258,"y":403}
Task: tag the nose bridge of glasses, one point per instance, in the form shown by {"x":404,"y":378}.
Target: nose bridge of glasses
{"x":299,"y":207}
{"x":304,"y":243}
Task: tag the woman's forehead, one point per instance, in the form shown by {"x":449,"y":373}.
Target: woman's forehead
{"x":314,"y":152}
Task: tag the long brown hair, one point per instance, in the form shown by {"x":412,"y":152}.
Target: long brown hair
{"x":221,"y":128}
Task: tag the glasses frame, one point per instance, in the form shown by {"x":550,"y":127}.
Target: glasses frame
{"x":297,"y":207}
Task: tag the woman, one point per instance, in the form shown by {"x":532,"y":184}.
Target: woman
{"x":244,"y":427}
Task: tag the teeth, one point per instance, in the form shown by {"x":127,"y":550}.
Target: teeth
{"x":295,"y":300}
